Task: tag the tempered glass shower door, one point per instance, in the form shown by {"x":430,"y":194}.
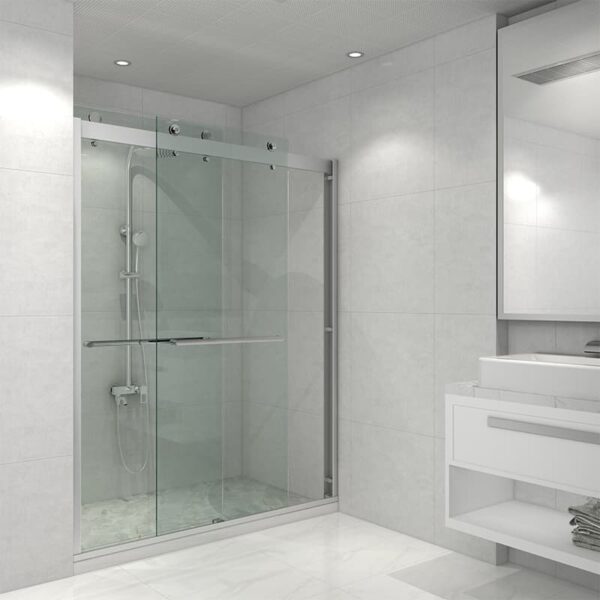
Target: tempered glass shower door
{"x":221,"y":298}
{"x":206,"y":327}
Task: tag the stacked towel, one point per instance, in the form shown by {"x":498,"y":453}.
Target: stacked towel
{"x":586,"y":519}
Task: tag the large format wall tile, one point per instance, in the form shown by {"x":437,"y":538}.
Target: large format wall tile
{"x":51,"y":15}
{"x":392,"y":371}
{"x":36,"y":382}
{"x":36,"y":308}
{"x":411,"y":59}
{"x":465,"y":120}
{"x":36,"y":521}
{"x":391,"y":245}
{"x":392,"y":138}
{"x":459,"y":342}
{"x":465,"y":249}
{"x":393,"y":479}
{"x":36,"y":100}
{"x":36,"y":230}
{"x":472,"y":38}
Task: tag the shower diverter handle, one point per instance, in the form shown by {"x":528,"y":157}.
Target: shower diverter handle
{"x":185,"y":341}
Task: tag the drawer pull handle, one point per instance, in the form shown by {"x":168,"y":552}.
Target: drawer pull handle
{"x":562,"y":433}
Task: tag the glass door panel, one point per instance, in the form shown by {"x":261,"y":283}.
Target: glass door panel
{"x":189,"y":379}
{"x":117,"y":380}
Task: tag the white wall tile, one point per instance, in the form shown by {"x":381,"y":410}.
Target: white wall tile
{"x":468,"y":39}
{"x":524,"y":336}
{"x":392,"y":479}
{"x":392,"y":244}
{"x":459,"y":342}
{"x":36,"y":99}
{"x":465,"y":124}
{"x":36,"y":383}
{"x":322,"y":130}
{"x":392,"y":371}
{"x":51,"y":15}
{"x":306,"y":277}
{"x":107,"y":95}
{"x":306,"y":454}
{"x":465,"y":249}
{"x":392,"y":138}
{"x":571,"y":338}
{"x":36,"y":520}
{"x":36,"y":233}
{"x":265,"y":444}
{"x":305,"y":361}
{"x":411,"y":59}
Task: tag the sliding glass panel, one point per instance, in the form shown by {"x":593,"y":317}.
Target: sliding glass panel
{"x":117,"y":391}
{"x":190,"y":304}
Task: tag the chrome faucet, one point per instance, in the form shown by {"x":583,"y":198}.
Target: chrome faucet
{"x":592,"y":347}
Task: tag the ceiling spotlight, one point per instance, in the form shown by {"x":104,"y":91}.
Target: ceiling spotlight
{"x":122,"y":63}
{"x":355,"y":54}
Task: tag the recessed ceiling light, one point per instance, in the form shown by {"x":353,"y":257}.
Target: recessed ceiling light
{"x":122,"y":62}
{"x":355,"y":54}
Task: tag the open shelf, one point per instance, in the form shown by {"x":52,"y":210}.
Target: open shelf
{"x":531,"y":528}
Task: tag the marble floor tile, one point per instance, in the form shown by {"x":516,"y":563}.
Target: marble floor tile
{"x":449,"y":576}
{"x":333,"y":557}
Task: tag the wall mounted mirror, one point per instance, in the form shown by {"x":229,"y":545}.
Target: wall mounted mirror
{"x":549,"y":165}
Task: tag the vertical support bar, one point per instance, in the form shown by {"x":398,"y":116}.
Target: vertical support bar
{"x":331,"y":333}
{"x":76,"y":336}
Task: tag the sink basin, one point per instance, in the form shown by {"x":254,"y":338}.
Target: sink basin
{"x":548,"y":374}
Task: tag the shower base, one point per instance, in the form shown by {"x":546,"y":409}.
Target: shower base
{"x":123,"y":520}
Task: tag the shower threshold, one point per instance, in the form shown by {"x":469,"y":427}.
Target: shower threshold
{"x":123,"y":520}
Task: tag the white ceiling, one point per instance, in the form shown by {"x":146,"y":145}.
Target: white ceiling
{"x":241,"y":51}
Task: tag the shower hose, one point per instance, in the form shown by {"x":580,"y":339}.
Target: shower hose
{"x":144,"y":404}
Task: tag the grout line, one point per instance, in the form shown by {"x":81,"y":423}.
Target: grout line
{"x":37,"y":28}
{"x":36,"y":172}
{"x":37,"y":316}
{"x":32,"y":460}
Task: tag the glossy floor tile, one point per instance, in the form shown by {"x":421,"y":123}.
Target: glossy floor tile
{"x":334,"y":557}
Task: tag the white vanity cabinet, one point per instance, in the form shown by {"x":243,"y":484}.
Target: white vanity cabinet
{"x":491,"y":445}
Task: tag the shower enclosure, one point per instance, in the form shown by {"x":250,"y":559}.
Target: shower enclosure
{"x":205,"y":384}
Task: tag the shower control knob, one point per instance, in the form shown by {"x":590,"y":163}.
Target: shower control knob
{"x":174,"y":129}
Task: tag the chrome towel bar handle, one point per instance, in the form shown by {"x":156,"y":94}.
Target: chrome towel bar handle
{"x":553,"y":431}
{"x":192,"y":341}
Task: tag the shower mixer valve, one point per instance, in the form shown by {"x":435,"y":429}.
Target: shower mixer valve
{"x":121,"y":392}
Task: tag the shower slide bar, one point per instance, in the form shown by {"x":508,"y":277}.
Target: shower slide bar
{"x":198,"y":341}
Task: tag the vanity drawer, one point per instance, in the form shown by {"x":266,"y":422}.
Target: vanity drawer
{"x":549,"y":446}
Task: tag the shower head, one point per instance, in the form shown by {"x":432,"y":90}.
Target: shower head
{"x":164,"y":153}
{"x":140,"y":239}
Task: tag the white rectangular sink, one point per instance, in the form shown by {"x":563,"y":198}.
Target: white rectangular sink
{"x":548,"y":374}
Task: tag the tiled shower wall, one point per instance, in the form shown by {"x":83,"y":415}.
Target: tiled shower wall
{"x":36,"y":305}
{"x":414,"y":132}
